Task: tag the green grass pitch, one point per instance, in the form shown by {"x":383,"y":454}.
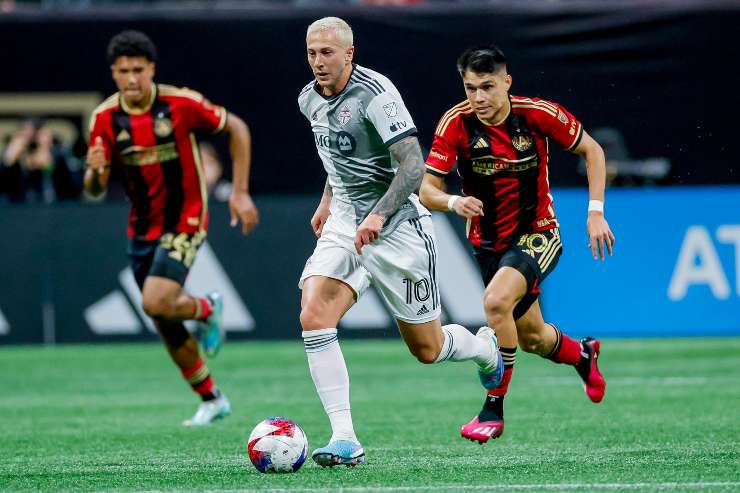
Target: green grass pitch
{"x":107,"y":418}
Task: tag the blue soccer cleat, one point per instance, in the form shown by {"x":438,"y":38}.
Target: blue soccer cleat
{"x":338,"y":452}
{"x":211,"y":330}
{"x":492,"y":373}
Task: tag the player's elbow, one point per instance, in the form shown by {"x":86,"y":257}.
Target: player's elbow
{"x":236,"y":126}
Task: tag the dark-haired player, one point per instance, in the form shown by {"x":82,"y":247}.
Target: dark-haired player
{"x":500,"y":144}
{"x":148,"y":130}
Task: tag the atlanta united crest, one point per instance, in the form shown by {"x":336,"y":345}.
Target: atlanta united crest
{"x":162,"y":127}
{"x":521,"y":142}
{"x":344,"y":115}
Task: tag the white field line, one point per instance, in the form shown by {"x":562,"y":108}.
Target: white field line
{"x":703,"y":485}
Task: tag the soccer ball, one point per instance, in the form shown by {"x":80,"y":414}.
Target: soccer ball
{"x":277,"y":445}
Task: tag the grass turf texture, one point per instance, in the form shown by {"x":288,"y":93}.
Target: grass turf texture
{"x":107,"y":418}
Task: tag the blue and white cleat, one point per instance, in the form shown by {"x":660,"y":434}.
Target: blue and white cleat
{"x":492,"y":373}
{"x":211,"y":330}
{"x":209,"y":412}
{"x":338,"y":452}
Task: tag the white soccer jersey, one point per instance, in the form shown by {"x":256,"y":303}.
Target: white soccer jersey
{"x":352,"y":131}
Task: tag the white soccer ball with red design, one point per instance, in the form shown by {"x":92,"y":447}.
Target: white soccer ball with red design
{"x":277,"y":445}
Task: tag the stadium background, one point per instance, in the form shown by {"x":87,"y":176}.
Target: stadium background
{"x":657,"y":75}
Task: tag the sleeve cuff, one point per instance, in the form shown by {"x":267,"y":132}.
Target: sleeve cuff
{"x":434,"y":171}
{"x":578,"y":138}
{"x":393,"y":140}
{"x":222,"y":122}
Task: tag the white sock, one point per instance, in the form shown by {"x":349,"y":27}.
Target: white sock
{"x":329,"y":373}
{"x":461,"y":345}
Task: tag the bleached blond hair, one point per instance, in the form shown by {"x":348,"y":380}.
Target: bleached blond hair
{"x":340,"y":27}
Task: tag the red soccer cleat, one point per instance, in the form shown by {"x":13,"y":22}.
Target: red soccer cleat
{"x":588,"y":369}
{"x":481,"y":432}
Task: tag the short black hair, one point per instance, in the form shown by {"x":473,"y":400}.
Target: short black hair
{"x":482,"y":59}
{"x":131,"y":43}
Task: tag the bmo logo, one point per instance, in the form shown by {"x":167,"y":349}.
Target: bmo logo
{"x":346,"y":143}
{"x":322,"y":140}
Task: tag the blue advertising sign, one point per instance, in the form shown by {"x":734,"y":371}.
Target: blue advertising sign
{"x":675,"y":268}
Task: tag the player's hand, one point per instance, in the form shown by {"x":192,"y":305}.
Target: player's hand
{"x":243,"y":209}
{"x":600,"y":237}
{"x":368,"y":231}
{"x":319,"y":219}
{"x":96,"y":156}
{"x":468,"y":207}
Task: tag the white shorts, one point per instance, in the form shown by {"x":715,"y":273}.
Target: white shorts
{"x":402,"y":266}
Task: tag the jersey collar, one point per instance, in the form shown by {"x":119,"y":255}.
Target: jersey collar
{"x":137,"y":111}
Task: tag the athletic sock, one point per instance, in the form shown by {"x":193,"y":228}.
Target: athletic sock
{"x":566,"y":350}
{"x":201,"y":381}
{"x":329,"y":374}
{"x":493,"y":407}
{"x":203,"y":308}
{"x":460,"y":344}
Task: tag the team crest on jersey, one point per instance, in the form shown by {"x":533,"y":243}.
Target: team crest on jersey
{"x":162,"y":126}
{"x":521,"y":142}
{"x":344,"y":115}
{"x":390,"y":109}
{"x":562,"y":117}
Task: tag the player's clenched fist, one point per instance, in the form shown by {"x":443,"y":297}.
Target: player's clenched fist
{"x":368,"y":231}
{"x":96,"y":156}
{"x":468,"y":207}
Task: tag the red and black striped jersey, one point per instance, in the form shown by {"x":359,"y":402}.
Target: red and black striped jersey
{"x":504,"y":165}
{"x":159,"y":154}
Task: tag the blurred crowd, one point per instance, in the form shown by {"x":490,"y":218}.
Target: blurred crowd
{"x":11,"y":5}
{"x":35,"y":166}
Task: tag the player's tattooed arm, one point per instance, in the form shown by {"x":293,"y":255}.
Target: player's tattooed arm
{"x":408,"y":178}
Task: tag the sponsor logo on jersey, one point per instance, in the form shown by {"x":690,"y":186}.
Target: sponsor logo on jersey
{"x":522,"y":142}
{"x":390,"y":109}
{"x":439,"y":156}
{"x":143,"y":156}
{"x":396,"y":126}
{"x":344,"y":115}
{"x":346,"y":143}
{"x":162,"y":126}
{"x":322,"y":140}
{"x":488,"y":166}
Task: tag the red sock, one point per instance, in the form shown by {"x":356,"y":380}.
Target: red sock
{"x":503,"y":387}
{"x":200,"y":380}
{"x":508,"y":354}
{"x":566,"y":350}
{"x":203,"y":308}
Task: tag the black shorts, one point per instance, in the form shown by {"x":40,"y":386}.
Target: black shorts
{"x":535,"y":255}
{"x":170,"y":256}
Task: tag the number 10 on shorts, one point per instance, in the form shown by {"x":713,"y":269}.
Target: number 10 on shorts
{"x":418,"y":290}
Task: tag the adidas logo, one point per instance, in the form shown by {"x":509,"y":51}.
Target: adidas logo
{"x":485,"y":430}
{"x":123,"y":135}
{"x":480,"y":144}
{"x":422,"y":310}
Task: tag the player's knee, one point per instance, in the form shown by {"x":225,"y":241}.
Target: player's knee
{"x":311,"y":318}
{"x":157,"y":307}
{"x":496,"y":306}
{"x":425,"y":354}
